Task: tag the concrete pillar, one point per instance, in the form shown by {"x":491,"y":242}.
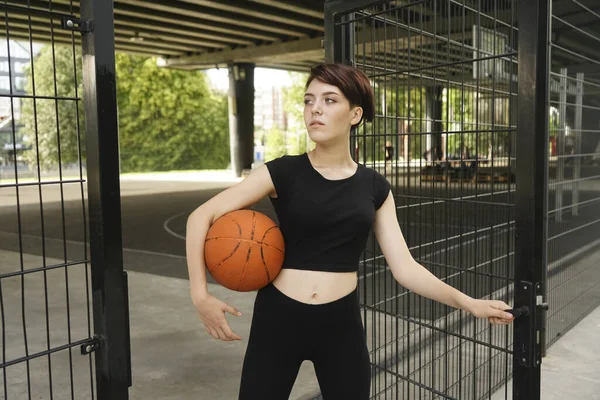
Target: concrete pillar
{"x":241,"y":116}
{"x":434,"y":109}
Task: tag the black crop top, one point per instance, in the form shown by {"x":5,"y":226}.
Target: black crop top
{"x":325,"y":223}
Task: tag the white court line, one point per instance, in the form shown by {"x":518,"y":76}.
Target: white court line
{"x":439,"y":201}
{"x":441,"y":241}
{"x":169,"y":231}
{"x":380,"y":270}
{"x":473,"y":268}
{"x":74,"y":242}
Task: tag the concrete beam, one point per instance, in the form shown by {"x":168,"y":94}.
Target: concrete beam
{"x":395,"y":34}
{"x":205,"y":13}
{"x":294,"y":50}
{"x":295,"y":6}
{"x":256,"y":10}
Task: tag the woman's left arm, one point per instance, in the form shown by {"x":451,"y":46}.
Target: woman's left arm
{"x":418,"y":279}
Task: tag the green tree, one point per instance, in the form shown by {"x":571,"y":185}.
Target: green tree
{"x":168,"y":119}
{"x":48,"y":122}
{"x":293,"y":105}
{"x":399,"y":111}
{"x":275,"y":144}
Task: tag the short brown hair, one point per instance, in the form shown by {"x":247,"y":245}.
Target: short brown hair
{"x":353,"y":83}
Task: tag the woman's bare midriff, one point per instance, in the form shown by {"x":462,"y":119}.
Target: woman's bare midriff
{"x":315,"y":287}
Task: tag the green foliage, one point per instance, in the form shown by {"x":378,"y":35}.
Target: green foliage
{"x":168,"y":119}
{"x":275,"y":144}
{"x":402,"y":110}
{"x":48,"y":122}
{"x":458,"y":115}
{"x":293,"y":100}
{"x":293,"y":105}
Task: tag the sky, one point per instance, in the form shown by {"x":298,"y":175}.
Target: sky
{"x":263,"y":78}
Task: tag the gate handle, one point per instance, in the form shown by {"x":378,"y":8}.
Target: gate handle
{"x":517,"y":312}
{"x":524,"y":310}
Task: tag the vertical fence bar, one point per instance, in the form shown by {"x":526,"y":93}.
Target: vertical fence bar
{"x":531,"y":194}
{"x":577,"y":151}
{"x":108,"y":283}
{"x":560,"y":142}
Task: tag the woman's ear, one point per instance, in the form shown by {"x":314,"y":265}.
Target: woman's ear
{"x":357,"y":113}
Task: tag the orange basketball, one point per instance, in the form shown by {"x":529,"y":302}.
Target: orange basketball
{"x":244,"y":250}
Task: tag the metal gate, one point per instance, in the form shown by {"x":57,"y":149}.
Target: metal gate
{"x":63,"y":292}
{"x":574,"y":166}
{"x":445,"y":75}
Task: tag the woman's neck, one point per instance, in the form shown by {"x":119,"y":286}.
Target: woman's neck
{"x":332,"y":156}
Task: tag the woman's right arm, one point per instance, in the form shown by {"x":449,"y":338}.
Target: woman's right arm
{"x":245,"y":193}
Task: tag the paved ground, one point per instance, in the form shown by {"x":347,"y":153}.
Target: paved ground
{"x":571,"y":368}
{"x":464,"y":235}
{"x":172,"y":358}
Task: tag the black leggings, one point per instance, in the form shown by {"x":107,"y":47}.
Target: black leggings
{"x":285,"y":332}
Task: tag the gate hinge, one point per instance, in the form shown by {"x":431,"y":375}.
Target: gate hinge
{"x":90,"y":346}
{"x":75,"y":24}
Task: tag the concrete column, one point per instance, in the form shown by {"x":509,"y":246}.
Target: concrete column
{"x":434,"y":117}
{"x":241,"y":116}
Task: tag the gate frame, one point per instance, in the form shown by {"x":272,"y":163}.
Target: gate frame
{"x":531,"y":175}
{"x":109,"y":281}
{"x":531,"y":197}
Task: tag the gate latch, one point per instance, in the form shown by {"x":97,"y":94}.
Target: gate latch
{"x":75,"y":24}
{"x":527,"y":346}
{"x":90,"y":346}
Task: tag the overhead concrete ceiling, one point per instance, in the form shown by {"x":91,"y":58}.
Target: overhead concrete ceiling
{"x":191,"y":33}
{"x":201,"y":34}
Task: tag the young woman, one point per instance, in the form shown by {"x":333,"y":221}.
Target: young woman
{"x":326,"y":206}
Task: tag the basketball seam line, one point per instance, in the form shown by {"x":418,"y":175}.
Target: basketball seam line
{"x":262,"y":255}
{"x":249,"y":250}
{"x":235,"y":222}
{"x":236,"y":246}
{"x":229,"y":256}
{"x":249,"y":240}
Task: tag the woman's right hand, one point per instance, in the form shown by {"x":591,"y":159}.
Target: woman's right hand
{"x":212,"y":313}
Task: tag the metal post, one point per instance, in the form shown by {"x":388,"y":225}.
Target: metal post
{"x":560,"y":140}
{"x":531,"y":195}
{"x":110,"y":306}
{"x":339,"y":39}
{"x":577,"y":151}
{"x":339,"y":48}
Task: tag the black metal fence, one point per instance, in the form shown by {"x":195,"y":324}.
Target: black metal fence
{"x":454,"y":134}
{"x":443,"y":74}
{"x":574,"y":166}
{"x":63,"y":298}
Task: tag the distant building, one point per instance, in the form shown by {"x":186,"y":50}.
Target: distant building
{"x":15,"y":58}
{"x":12,"y":73}
{"x":268,"y":109}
